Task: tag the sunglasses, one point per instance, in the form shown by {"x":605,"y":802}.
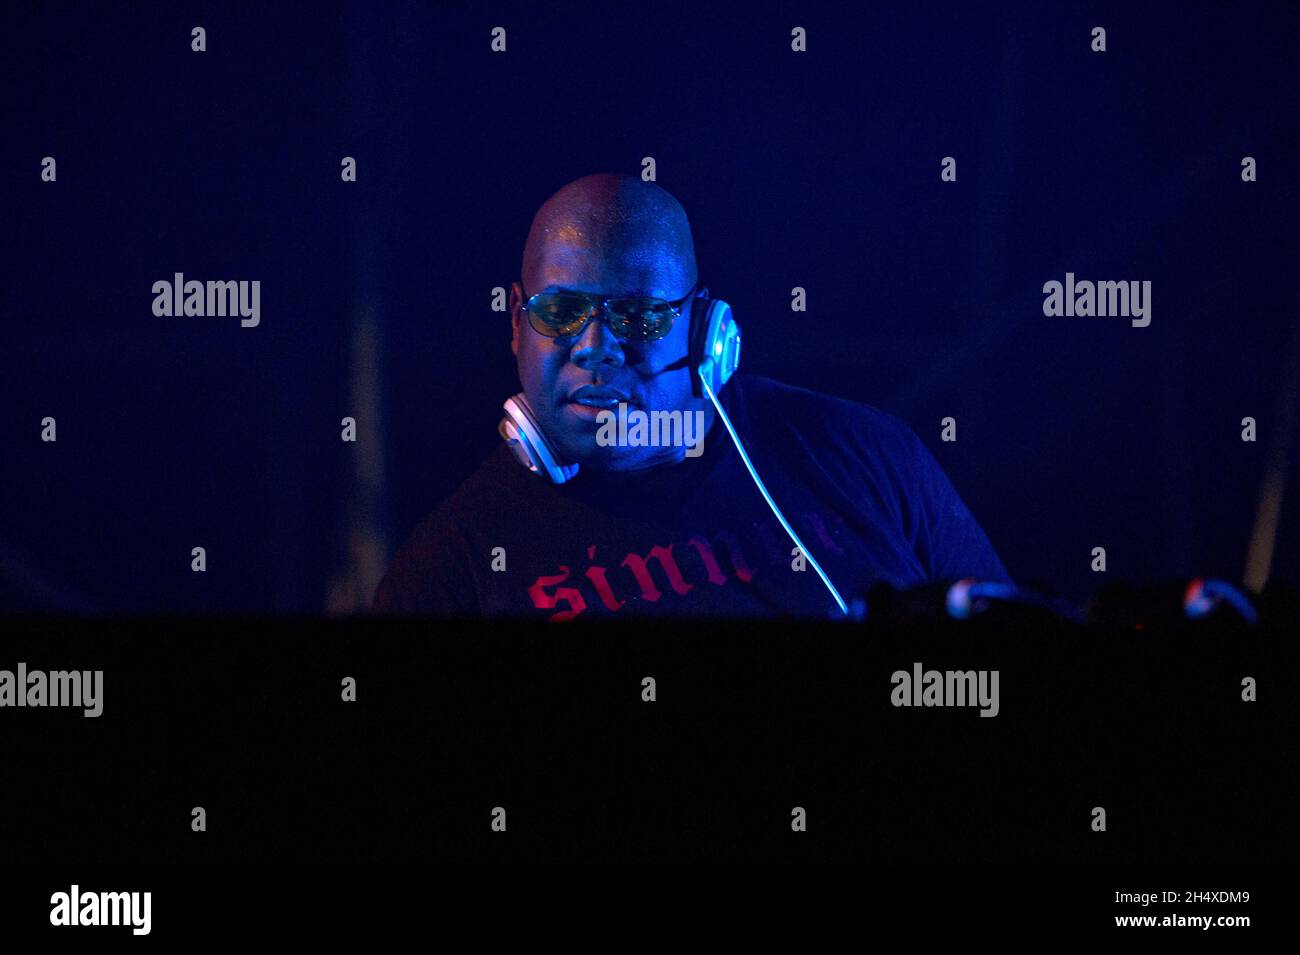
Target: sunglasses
{"x":636,"y":318}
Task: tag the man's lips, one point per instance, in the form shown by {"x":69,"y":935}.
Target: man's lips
{"x":599,"y":396}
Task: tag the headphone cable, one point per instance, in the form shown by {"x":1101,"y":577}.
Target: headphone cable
{"x":767,"y":497}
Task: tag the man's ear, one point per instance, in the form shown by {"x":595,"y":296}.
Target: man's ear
{"x":516,"y":314}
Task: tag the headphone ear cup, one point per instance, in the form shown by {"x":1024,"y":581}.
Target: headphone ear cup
{"x":524,"y":435}
{"x":726,"y":346}
{"x":715,"y":344}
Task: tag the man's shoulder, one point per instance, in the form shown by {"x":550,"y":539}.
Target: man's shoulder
{"x":482,"y":490}
{"x":816,"y":416}
{"x":427,"y":571}
{"x":854,"y":447}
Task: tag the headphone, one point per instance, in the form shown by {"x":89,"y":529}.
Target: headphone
{"x":713,"y":357}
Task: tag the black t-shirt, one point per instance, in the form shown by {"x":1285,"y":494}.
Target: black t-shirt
{"x":696,"y":538}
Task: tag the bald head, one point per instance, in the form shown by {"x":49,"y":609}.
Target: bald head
{"x":614,"y":234}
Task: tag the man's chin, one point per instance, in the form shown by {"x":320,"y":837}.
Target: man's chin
{"x":582,"y":449}
{"x":575,"y":439}
{"x":577,"y":444}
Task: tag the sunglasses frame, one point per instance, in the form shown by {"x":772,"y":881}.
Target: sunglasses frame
{"x":597,"y":303}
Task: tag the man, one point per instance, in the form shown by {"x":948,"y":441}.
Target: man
{"x":671,"y":529}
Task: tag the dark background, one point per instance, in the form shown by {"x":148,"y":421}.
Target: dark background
{"x":819,"y":170}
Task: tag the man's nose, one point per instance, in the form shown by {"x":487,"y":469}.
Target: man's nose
{"x":596,"y":345}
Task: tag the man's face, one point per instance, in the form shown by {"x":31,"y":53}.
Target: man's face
{"x":552,"y":370}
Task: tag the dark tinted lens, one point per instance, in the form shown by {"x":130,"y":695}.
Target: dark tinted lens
{"x":640,"y":319}
{"x":558,"y":313}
